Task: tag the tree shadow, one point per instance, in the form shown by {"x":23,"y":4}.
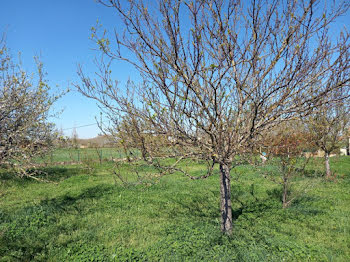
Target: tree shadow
{"x":236,"y":212}
{"x":59,"y":173}
{"x":67,"y":202}
{"x":196,"y":206}
{"x":199,"y":207}
{"x":47,"y":174}
{"x":303,"y":205}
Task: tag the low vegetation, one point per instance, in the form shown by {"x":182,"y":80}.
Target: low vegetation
{"x":92,"y":216}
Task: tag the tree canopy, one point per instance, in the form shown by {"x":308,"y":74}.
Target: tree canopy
{"x":216,"y":74}
{"x":25,"y":130}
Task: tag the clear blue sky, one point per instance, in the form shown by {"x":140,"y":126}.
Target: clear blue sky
{"x":59,"y":31}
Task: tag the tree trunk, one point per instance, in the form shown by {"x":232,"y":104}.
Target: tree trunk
{"x":326,"y":161}
{"x":225,"y":200}
{"x":285,"y":202}
{"x":285,"y":184}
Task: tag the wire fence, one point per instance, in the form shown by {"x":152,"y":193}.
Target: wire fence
{"x":84,"y":154}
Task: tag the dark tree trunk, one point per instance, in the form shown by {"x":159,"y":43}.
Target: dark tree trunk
{"x":285,"y":202}
{"x":225,"y":200}
{"x":326,"y":162}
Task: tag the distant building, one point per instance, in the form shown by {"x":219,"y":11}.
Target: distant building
{"x":344,"y":151}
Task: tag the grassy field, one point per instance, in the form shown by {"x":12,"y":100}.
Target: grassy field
{"x":81,"y":154}
{"x":87,"y":215}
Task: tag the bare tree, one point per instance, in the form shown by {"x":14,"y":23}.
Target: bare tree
{"x":74,"y":138}
{"x":217,"y":73}
{"x":328,"y":125}
{"x":285,"y":146}
{"x":25,"y":131}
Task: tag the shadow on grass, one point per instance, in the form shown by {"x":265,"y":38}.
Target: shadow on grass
{"x":303,"y":204}
{"x":68,"y":201}
{"x":59,"y":173}
{"x":51,"y":174}
{"x":200,"y":207}
{"x":196,"y":206}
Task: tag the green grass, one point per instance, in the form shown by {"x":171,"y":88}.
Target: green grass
{"x":89,"y":217}
{"x":81,"y":154}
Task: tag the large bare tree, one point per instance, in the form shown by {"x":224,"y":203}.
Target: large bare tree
{"x":25,"y":131}
{"x":217,"y":73}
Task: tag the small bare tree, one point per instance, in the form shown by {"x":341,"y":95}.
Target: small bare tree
{"x":25,"y":131}
{"x":328,"y":125}
{"x":75,"y":138}
{"x":285,"y":146}
{"x":216,"y":73}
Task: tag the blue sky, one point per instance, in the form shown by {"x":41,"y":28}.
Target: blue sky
{"x":59,"y":31}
